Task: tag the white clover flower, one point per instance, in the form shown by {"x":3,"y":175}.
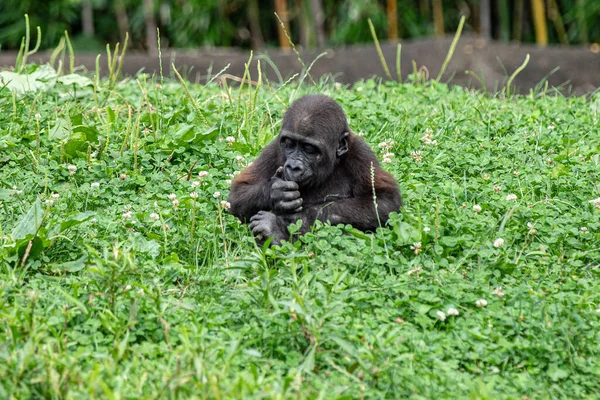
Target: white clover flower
{"x":216,"y":195}
{"x":530,"y":225}
{"x":123,"y":177}
{"x":427,"y":139}
{"x":49,"y":202}
{"x":477,"y":208}
{"x":94,"y":154}
{"x":441,"y":315}
{"x":452,"y":311}
{"x":595,"y":202}
{"x":389,"y":155}
{"x":55,"y":196}
{"x":128,"y":287}
{"x":239,"y":158}
{"x":497,"y":188}
{"x":225,"y":204}
{"x":532,"y":231}
{"x":481,"y":303}
{"x":228,"y":181}
{"x":583,"y":229}
{"x":386,"y":160}
{"x":172,"y":196}
{"x":511,"y":197}
{"x":194,"y":195}
{"x":195,"y":184}
{"x":416,"y":155}
{"x":93,"y":220}
{"x":154,"y":216}
{"x":127,"y":215}
{"x":94,"y":185}
{"x":175,"y":203}
{"x":498,"y":292}
{"x":203,"y":174}
{"x":38,"y":116}
{"x":416,"y":247}
{"x":386,"y":145}
{"x":552,"y":126}
{"x":72,"y":169}
{"x":166,"y":227}
{"x":230,"y":140}
{"x":498,"y":242}
{"x":516,"y":172}
{"x":426,"y":229}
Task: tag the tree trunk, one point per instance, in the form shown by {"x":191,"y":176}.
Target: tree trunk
{"x":583,"y":35}
{"x":151,"y":35}
{"x":318,"y":18}
{"x":87,"y":18}
{"x":281,"y":10}
{"x":518,"y":26}
{"x":392,"y":19}
{"x":438,"y":17}
{"x":504,"y":19}
{"x":539,"y":22}
{"x":122,"y":19}
{"x":485,"y":27}
{"x":554,"y":14}
{"x":256,"y":37}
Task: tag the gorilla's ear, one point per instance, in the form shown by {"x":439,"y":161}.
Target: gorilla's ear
{"x":342,"y":145}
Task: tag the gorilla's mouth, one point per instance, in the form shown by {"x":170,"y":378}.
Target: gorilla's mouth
{"x":301,"y":178}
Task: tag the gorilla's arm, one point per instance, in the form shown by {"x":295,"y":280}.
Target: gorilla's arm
{"x":357,"y":211}
{"x":251,"y":190}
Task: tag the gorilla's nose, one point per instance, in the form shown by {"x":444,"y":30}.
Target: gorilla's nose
{"x":293,"y":169}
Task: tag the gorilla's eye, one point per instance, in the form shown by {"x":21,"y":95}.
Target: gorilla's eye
{"x":287,"y":143}
{"x":310,"y":149}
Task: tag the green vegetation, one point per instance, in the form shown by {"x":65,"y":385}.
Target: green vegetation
{"x":310,"y":23}
{"x":116,"y":281}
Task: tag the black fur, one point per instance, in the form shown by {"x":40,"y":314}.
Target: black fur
{"x":336,"y":186}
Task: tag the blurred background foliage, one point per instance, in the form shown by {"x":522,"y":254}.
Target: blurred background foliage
{"x":311,"y":23}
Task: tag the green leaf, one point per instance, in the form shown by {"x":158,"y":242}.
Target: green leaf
{"x":75,"y":79}
{"x":406,"y":233}
{"x":43,"y":78}
{"x":74,"y":301}
{"x":75,"y":219}
{"x":73,"y":266}
{"x":61,"y":130}
{"x":556,"y":374}
{"x":30,"y":222}
{"x":90,"y":132}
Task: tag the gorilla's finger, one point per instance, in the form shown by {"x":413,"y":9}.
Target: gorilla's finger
{"x":279,"y":173}
{"x":289,"y":196}
{"x":279,"y":184}
{"x":291,"y":205}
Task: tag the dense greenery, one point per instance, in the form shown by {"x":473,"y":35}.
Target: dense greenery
{"x":117,"y":281}
{"x":193,"y":23}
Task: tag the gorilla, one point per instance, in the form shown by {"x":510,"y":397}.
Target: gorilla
{"x":316,"y":169}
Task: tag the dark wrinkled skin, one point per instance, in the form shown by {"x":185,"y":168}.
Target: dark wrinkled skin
{"x":315,"y":169}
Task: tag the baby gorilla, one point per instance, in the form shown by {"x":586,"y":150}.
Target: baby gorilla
{"x":315,"y":169}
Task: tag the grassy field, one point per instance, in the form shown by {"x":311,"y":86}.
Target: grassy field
{"x":123,"y":276}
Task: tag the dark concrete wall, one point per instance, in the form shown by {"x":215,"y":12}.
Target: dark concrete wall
{"x":578,"y":72}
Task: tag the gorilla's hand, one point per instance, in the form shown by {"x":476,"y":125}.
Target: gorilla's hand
{"x":264,"y":225}
{"x":285,"y":196}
